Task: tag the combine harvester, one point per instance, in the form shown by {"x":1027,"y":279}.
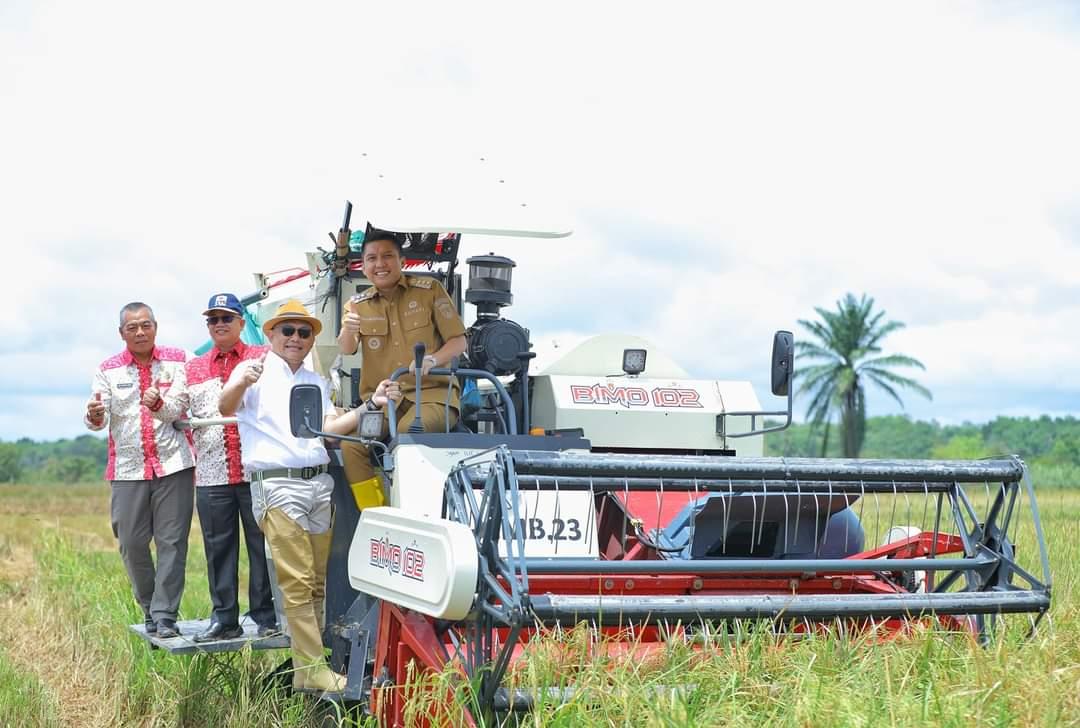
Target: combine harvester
{"x":607,"y":488}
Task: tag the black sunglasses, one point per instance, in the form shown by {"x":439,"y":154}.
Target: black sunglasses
{"x":225,"y":319}
{"x":302,"y":331}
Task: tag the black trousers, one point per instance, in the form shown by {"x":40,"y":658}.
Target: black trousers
{"x":221,"y":510}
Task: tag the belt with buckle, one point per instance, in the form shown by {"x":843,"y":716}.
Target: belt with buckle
{"x":302,"y":473}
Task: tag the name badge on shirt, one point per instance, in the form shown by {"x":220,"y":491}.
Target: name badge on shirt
{"x":125,"y":385}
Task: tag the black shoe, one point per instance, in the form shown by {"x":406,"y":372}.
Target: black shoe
{"x":149,"y":625}
{"x":219,"y":631}
{"x":269,"y":630}
{"x":166,"y":629}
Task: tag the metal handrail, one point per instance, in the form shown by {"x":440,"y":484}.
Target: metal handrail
{"x":193,"y":423}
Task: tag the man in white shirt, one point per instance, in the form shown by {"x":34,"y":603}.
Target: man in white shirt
{"x":290,"y":488}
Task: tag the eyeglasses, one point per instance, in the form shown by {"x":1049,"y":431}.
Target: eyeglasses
{"x":225,"y":319}
{"x":302,"y":331}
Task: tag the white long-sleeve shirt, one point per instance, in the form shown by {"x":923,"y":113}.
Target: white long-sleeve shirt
{"x":267,"y":443}
{"x":266,"y":439}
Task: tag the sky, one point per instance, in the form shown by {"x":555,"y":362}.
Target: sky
{"x":726,"y":168}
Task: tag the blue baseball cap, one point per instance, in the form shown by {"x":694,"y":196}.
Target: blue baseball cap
{"x":224,"y":302}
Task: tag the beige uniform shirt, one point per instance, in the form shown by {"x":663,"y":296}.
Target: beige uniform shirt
{"x":420,"y":311}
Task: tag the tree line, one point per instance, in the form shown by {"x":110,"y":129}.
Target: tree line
{"x":81,"y":460}
{"x":1045,"y":440}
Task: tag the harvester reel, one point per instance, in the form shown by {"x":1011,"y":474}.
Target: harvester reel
{"x":914,"y":574}
{"x":502,"y":593}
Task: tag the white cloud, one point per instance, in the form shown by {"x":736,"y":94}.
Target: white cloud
{"x":726,"y":168}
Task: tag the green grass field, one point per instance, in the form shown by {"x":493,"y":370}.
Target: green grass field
{"x":67,"y":658}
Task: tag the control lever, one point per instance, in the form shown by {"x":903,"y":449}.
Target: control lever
{"x":450,"y":389}
{"x":523,"y":378}
{"x":418,"y":362}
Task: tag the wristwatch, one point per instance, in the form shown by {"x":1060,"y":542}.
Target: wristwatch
{"x":370,"y":406}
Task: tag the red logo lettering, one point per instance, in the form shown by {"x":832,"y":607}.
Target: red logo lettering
{"x":408,"y":562}
{"x":414,"y":564}
{"x":676,"y":397}
{"x":628,"y":397}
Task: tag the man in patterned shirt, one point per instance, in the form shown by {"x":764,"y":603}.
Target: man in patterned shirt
{"x":150,"y":466}
{"x":222,"y":493}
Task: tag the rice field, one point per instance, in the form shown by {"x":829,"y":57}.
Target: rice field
{"x":67,"y":658}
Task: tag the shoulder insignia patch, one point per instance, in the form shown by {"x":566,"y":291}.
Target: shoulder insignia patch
{"x":421,"y":281}
{"x":367,"y":294}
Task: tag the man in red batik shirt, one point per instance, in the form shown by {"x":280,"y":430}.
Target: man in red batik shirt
{"x":222,"y":490}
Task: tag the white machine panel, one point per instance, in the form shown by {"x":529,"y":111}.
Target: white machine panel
{"x":654,"y":413}
{"x":555,"y":524}
{"x":427,"y":565}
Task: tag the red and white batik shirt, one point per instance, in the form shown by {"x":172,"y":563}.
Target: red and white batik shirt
{"x":218,"y":446}
{"x":142,"y":444}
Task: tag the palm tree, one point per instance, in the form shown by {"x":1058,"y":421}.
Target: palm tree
{"x":845,"y":357}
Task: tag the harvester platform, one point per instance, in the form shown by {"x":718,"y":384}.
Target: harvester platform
{"x":185,"y":643}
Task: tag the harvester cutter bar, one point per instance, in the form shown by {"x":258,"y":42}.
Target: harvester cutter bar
{"x":620,"y":609}
{"x":521,"y":699}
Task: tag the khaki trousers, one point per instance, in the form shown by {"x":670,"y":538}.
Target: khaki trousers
{"x":300,"y":563}
{"x":299,"y":558}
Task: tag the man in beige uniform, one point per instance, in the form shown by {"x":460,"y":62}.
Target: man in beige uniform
{"x":387,"y":321}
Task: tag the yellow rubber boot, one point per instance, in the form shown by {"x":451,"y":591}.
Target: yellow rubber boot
{"x":357,"y":462}
{"x":310,"y":671}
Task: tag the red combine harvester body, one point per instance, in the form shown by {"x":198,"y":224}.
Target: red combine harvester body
{"x":604,"y":489}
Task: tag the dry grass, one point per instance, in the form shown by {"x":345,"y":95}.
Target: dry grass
{"x":66,"y":657}
{"x":37,"y":641}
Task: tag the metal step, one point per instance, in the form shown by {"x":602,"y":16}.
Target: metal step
{"x":185,"y":643}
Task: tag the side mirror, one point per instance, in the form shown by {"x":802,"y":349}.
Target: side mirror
{"x":783,"y":362}
{"x":305,"y":410}
{"x":783,"y":369}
